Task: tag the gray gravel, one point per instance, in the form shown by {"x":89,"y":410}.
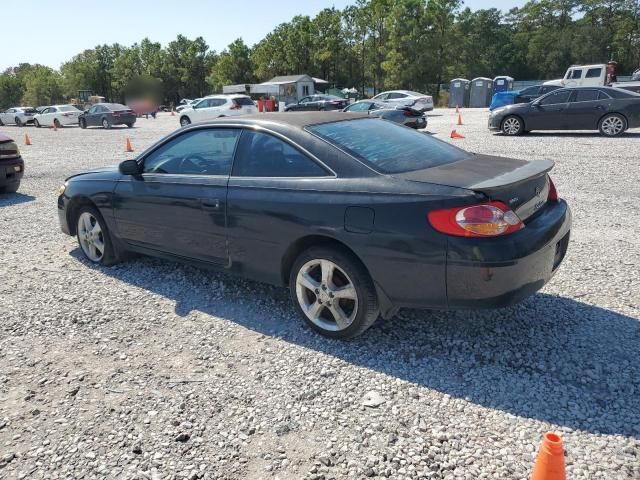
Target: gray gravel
{"x":154,"y":370}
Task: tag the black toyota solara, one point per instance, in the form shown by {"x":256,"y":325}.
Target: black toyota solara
{"x":358,"y":216}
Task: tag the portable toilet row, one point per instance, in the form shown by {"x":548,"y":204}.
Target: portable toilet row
{"x":477,"y":92}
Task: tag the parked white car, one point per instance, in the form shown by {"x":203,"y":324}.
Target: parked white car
{"x":58,"y":115}
{"x":215,"y":106}
{"x":406,"y":98}
{"x":19,"y":115}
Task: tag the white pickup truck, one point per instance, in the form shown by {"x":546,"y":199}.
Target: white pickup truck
{"x":593,"y":76}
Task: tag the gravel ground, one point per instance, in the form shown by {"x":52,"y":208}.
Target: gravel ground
{"x":155,"y":370}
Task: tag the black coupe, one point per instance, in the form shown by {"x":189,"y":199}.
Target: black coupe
{"x":358,"y":216}
{"x":609,"y":110}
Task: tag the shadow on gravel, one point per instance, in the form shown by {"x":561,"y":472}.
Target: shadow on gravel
{"x":571,"y":134}
{"x":550,"y":358}
{"x":9,"y":199}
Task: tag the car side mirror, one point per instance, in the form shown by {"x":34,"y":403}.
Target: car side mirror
{"x":129,"y":167}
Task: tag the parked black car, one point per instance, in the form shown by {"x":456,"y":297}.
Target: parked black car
{"x":406,"y":116}
{"x":317,"y":102}
{"x":106,"y":115}
{"x":531,"y":93}
{"x":358,"y":216}
{"x":11,"y":165}
{"x":610,"y":110}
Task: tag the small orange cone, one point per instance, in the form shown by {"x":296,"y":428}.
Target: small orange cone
{"x":455,"y":134}
{"x":128,"y":146}
{"x":550,"y":461}
{"x":27,"y":140}
{"x":459,"y":119}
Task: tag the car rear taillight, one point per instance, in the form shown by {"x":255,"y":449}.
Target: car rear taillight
{"x":408,"y":113}
{"x":115,"y":114}
{"x":484,"y":220}
{"x":235,"y":106}
{"x":553,"y":193}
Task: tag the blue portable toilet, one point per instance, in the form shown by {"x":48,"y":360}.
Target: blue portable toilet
{"x":502,"y":84}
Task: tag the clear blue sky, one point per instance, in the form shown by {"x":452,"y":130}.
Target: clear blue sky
{"x":50,"y":32}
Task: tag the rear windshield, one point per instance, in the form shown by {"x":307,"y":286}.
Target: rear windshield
{"x":29,"y":110}
{"x":115,"y":106}
{"x":620,"y":93}
{"x":388,"y":147}
{"x":67,"y":108}
{"x":243,"y":101}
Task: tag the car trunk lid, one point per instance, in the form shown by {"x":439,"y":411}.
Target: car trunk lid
{"x":522,"y":185}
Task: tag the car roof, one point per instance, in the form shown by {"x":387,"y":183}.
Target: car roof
{"x":298,"y":120}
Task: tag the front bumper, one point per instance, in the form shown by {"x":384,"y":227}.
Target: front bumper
{"x":494,"y":121}
{"x":11,"y":171}
{"x":63,"y":201}
{"x":502,"y":271}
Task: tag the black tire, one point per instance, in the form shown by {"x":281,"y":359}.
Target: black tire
{"x":612,"y":125}
{"x":36,"y":123}
{"x":13,"y":188}
{"x":106,"y":124}
{"x":83,"y":123}
{"x":18,"y":122}
{"x":110,"y":255}
{"x":367,"y":308}
{"x":129,"y":125}
{"x":184,"y":121}
{"x":512,"y":126}
{"x":57,"y":123}
{"x":1,"y":124}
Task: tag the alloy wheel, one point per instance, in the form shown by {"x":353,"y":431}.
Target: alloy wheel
{"x":511,"y":126}
{"x":91,"y":237}
{"x":326,"y":295}
{"x":612,"y":126}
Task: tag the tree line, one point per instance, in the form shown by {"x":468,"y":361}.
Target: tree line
{"x":373,"y":44}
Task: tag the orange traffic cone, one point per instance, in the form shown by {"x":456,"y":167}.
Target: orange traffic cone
{"x":128,"y":146}
{"x":459,"y":119}
{"x":455,"y":134}
{"x":27,"y":140}
{"x":550,"y":461}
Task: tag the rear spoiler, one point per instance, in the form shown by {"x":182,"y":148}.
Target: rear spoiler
{"x":530,"y":169}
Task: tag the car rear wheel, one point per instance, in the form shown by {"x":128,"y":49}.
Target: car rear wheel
{"x":18,"y":121}
{"x":57,"y":123}
{"x":105,"y":123}
{"x":184,"y":121}
{"x":333,"y":292}
{"x":130,"y":125}
{"x":83,"y":123}
{"x":512,"y":125}
{"x":93,"y":237}
{"x":612,"y":125}
{"x":13,"y":188}
{"x":36,"y":123}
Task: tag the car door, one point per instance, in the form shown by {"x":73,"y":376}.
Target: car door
{"x":177,"y":205}
{"x":586,"y":106}
{"x":92,"y":116}
{"x":270,"y":189}
{"x":397,"y":98}
{"x":7,"y":117}
{"x":302,"y":104}
{"x":549,"y":112}
{"x":50,"y":115}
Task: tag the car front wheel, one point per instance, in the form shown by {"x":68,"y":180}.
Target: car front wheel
{"x":184,"y":121}
{"x":105,"y":123}
{"x":333,"y":292}
{"x":83,"y":123}
{"x":18,"y":121}
{"x":612,"y":125}
{"x":36,"y":123}
{"x":512,"y":125}
{"x":93,"y":237}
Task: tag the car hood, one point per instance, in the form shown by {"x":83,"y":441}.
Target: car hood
{"x":514,"y":108}
{"x":110,"y":172}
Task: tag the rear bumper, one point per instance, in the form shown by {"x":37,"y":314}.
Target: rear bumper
{"x":499,"y":272}
{"x":417,"y":123}
{"x":123,"y":119}
{"x":11,"y":171}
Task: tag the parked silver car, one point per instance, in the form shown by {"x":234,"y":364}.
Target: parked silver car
{"x":406,"y":116}
{"x":406,"y":98}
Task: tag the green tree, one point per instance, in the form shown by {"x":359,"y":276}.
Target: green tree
{"x":233,"y":66}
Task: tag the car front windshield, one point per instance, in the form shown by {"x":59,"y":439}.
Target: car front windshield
{"x":387,"y":147}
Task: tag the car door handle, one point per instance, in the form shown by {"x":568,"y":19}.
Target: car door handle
{"x":211,"y":204}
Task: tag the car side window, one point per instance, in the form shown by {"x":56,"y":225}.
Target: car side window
{"x":53,"y":109}
{"x":263,"y":155}
{"x":585,"y":96}
{"x":604,"y":96}
{"x":359,"y":107}
{"x":593,"y":73}
{"x":381,"y":97}
{"x":198,"y":152}
{"x":556,"y":97}
{"x":396,"y":95}
{"x":93,"y":109}
{"x":575,"y":74}
{"x":305,"y":100}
